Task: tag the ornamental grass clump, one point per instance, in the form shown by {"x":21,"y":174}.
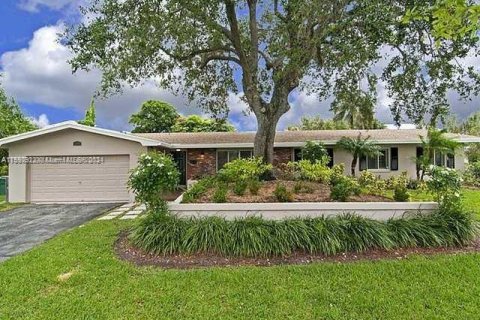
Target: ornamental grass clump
{"x":162,"y":233}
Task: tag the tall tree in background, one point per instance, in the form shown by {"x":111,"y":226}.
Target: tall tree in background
{"x":12,"y":122}
{"x":269,"y":48}
{"x":155,"y":117}
{"x":90,"y":116}
{"x":195,"y":123}
{"x":470,"y":126}
{"x":317,"y":123}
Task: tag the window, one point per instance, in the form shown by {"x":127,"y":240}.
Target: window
{"x":443,"y":160}
{"x":382,"y":161}
{"x":225,"y":156}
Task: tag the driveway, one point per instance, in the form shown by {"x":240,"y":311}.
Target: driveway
{"x":27,"y":226}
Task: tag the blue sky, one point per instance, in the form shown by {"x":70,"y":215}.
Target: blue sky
{"x":36,"y":73}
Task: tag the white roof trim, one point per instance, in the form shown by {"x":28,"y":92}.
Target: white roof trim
{"x":74,"y":125}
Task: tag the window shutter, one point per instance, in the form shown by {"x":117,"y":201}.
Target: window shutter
{"x":394,"y":159}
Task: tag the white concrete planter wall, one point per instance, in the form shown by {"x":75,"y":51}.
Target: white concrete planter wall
{"x":277,"y":211}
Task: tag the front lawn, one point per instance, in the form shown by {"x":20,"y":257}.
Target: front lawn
{"x":76,"y":275}
{"x":2,"y":198}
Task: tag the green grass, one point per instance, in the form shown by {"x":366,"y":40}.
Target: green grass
{"x":2,"y":198}
{"x":102,"y":287}
{"x":7,"y":206}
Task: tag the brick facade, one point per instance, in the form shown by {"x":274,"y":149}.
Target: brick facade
{"x":282,"y":155}
{"x":200,"y":163}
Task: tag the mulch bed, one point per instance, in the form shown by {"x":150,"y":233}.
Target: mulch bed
{"x":126,"y":251}
{"x":319,"y":193}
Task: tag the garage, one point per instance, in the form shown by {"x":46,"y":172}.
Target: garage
{"x":71,"y":163}
{"x":99,"y":181}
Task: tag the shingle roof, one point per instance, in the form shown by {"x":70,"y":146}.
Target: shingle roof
{"x":292,"y":138}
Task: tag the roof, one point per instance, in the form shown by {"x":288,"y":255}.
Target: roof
{"x":144,"y":141}
{"x":293,"y":138}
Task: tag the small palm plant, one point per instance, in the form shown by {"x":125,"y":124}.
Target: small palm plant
{"x":436,"y":141}
{"x":358,"y":147}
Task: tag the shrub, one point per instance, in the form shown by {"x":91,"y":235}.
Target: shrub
{"x":371,"y":183}
{"x":3,"y":170}
{"x":344,"y":188}
{"x":445,"y":186}
{"x":220,"y":194}
{"x":400,"y":194}
{"x":161,"y":233}
{"x":199,"y":189}
{"x":302,"y":187}
{"x":240,"y":187}
{"x":471,"y":175}
{"x":308,"y":171}
{"x":314,"y":151}
{"x":282,"y":194}
{"x":337,"y":173}
{"x":413,"y":184}
{"x":244,"y":169}
{"x":155,"y":174}
{"x":254,"y":186}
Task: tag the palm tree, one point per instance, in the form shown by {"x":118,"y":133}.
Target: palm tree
{"x":358,"y":147}
{"x":436,"y":141}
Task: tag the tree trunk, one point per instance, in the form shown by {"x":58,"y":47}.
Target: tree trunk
{"x":354,"y":165}
{"x":265,"y":138}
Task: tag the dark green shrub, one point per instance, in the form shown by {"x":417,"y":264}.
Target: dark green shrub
{"x":314,"y":151}
{"x":240,"y":187}
{"x":344,"y":188}
{"x":254,"y":186}
{"x":282,"y":194}
{"x":400,"y":194}
{"x":162,"y":233}
{"x":220,"y":194}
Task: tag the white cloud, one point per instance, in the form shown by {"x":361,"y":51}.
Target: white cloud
{"x":41,"y":122}
{"x":40,"y":74}
{"x":35,"y":5}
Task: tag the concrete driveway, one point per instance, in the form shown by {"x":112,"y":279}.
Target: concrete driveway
{"x":27,"y":226}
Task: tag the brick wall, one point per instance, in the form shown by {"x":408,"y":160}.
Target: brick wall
{"x":282,"y":155}
{"x":201,"y":162}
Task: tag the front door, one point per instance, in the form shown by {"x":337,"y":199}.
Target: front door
{"x":180,"y":158}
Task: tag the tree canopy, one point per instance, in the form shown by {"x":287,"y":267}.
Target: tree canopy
{"x":268,"y":49}
{"x":154,"y":116}
{"x":317,"y":123}
{"x":158,"y":116}
{"x":90,"y":116}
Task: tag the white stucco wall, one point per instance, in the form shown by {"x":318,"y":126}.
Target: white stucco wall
{"x":61,"y":144}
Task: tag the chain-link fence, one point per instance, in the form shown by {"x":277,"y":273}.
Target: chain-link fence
{"x":3,"y":189}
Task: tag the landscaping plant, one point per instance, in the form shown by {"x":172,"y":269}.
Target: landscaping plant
{"x":254,"y":186}
{"x":371,"y":184}
{"x":220,"y":195}
{"x":314,"y":151}
{"x":471,"y":176}
{"x":160,"y":233}
{"x":240,"y":187}
{"x":244,"y":169}
{"x":199,"y":189}
{"x":312,"y":171}
{"x":344,"y":188}
{"x":282,"y":194}
{"x":155,"y":174}
{"x":445,"y":186}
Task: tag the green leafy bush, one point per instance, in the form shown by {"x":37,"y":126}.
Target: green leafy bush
{"x":314,"y":151}
{"x":371,"y":184}
{"x":302,"y":187}
{"x":160,"y":233}
{"x":3,"y":170}
{"x":199,"y":189}
{"x":471,"y":176}
{"x":244,"y":169}
{"x":445,"y":185}
{"x":344,"y":188}
{"x":308,"y":171}
{"x":220,"y":194}
{"x":400,"y":194}
{"x":155,"y":174}
{"x":414,"y":184}
{"x":337,"y":173}
{"x":282,"y":194}
{"x":254,"y":186}
{"x":240,"y":187}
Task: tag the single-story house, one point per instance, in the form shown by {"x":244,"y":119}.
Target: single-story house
{"x":69,"y":162}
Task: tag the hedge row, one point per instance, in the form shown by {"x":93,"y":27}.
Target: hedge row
{"x":161,"y":233}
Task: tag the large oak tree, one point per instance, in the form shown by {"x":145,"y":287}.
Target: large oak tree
{"x":268,"y":49}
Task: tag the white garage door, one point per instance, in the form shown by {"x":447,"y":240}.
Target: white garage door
{"x":67,"y":182}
